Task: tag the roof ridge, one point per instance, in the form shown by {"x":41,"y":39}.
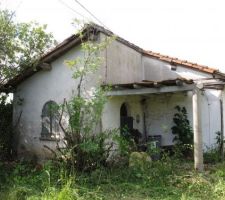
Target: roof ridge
{"x":160,"y":56}
{"x":157,"y":55}
{"x":74,"y":39}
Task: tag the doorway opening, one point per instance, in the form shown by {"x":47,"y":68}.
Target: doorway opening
{"x":126,"y":121}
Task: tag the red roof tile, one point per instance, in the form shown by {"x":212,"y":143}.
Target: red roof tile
{"x":74,"y":40}
{"x":184,"y":63}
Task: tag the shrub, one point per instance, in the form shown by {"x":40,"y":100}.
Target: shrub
{"x":211,"y":155}
{"x":183,"y":132}
{"x":6,"y":134}
{"x":214,"y":154}
{"x":84,"y":145}
{"x":182,"y":128}
{"x":139,"y":160}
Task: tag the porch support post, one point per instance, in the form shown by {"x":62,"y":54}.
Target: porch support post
{"x":198,"y":148}
{"x":222,"y":129}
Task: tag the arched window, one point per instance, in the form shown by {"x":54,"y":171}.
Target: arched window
{"x":50,"y":120}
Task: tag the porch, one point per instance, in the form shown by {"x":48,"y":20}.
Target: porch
{"x":149,"y":108}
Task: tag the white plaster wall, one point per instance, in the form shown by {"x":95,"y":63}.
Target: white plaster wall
{"x":223,"y":105}
{"x":191,"y":74}
{"x":111,"y":112}
{"x":55,"y":85}
{"x":211,"y":116}
{"x":160,"y":111}
{"x":156,"y":70}
{"x":123,"y":64}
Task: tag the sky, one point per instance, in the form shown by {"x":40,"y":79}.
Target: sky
{"x":192,"y":30}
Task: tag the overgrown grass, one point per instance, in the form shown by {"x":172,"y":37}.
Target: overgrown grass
{"x":167,"y":179}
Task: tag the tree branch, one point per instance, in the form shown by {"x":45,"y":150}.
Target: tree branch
{"x":60,"y":119}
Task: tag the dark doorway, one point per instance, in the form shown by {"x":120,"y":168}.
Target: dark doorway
{"x":126,"y":121}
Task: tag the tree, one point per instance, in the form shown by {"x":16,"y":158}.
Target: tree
{"x":21,"y":45}
{"x":84,"y":148}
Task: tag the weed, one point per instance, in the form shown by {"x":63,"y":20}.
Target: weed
{"x":163,"y":179}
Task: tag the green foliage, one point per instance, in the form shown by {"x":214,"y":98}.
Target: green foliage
{"x":68,"y":192}
{"x":85,"y":112}
{"x":214,"y":153}
{"x":86,"y":147}
{"x":182,"y":129}
{"x":211,"y":155}
{"x":153,"y":150}
{"x":165,"y":179}
{"x":125,"y":145}
{"x":220,"y":144}
{"x":139,"y":161}
{"x":85,"y":150}
{"x":6,"y":132}
{"x":21,"y":45}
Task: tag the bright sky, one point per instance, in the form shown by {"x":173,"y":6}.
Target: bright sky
{"x":192,"y":30}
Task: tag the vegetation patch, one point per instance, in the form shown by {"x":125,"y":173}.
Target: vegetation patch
{"x":164,"y":179}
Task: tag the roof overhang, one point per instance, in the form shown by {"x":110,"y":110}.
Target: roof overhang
{"x":146,"y":91}
{"x":160,"y":87}
{"x":75,"y":40}
{"x":151,"y":87}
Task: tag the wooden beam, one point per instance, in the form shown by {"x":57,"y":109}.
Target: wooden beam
{"x":138,"y":86}
{"x":46,"y":66}
{"x":157,"y":85}
{"x":122,"y":87}
{"x":179,"y":82}
{"x":142,"y":91}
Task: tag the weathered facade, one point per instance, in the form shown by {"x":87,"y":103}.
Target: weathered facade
{"x":149,"y":84}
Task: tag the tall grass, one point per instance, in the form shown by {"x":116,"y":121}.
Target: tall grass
{"x":166,"y":179}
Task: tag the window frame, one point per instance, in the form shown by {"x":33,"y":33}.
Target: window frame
{"x":51,"y":134}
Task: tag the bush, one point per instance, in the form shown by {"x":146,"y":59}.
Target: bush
{"x":6,"y":132}
{"x":182,"y":129}
{"x":212,"y":155}
{"x":84,"y":145}
{"x":139,"y":161}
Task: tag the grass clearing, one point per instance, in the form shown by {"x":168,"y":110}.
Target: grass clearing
{"x":162,"y":180}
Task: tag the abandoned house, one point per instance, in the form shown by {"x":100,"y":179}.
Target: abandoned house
{"x":146,"y":87}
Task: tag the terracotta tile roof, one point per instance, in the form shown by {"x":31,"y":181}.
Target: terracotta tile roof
{"x":184,"y":63}
{"x":74,"y":40}
{"x":159,"y":56}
